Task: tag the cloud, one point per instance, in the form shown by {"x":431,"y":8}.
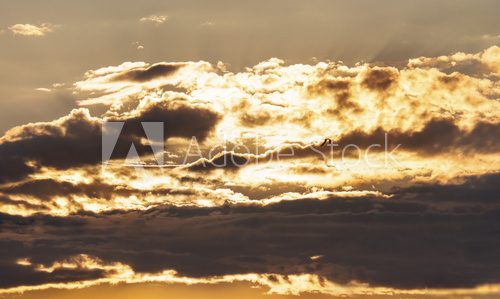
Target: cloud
{"x":75,"y":140}
{"x":71,"y":141}
{"x":428,"y":243}
{"x":226,"y":160}
{"x":428,"y":223}
{"x":118,"y":273}
{"x":147,"y":74}
{"x":437,"y":136}
{"x":155,"y":19}
{"x":181,"y":117}
{"x":272,"y":109}
{"x":480,"y":64}
{"x":380,"y":79}
{"x":138,"y":46}
{"x":32,"y":30}
{"x":118,"y":84}
{"x":43,"y":89}
{"x":208,"y":24}
{"x":348,"y":99}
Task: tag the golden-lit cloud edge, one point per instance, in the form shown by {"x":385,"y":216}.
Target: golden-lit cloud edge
{"x":294,"y":284}
{"x":441,"y":110}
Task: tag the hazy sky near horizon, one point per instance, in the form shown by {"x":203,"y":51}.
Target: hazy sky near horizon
{"x":92,"y":34}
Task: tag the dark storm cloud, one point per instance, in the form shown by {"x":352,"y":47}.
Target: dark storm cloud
{"x":46,"y":189}
{"x":403,"y":242}
{"x":150,"y":73}
{"x":480,"y":190}
{"x":75,"y":140}
{"x":437,"y":136}
{"x":15,"y":273}
{"x":181,"y":118}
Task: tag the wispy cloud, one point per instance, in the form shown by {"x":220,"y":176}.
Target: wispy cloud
{"x":138,"y":45}
{"x":491,"y":37}
{"x":155,"y":19}
{"x":43,"y":89}
{"x":32,"y":30}
{"x":208,"y":24}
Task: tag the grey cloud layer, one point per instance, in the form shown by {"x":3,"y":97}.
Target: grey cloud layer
{"x":409,"y":241}
{"x":75,"y":140}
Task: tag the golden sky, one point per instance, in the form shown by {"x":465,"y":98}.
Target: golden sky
{"x":275,"y":149}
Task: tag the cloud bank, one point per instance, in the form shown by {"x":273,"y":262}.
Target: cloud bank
{"x":282,"y":211}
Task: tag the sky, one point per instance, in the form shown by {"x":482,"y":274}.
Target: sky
{"x":275,"y":149}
